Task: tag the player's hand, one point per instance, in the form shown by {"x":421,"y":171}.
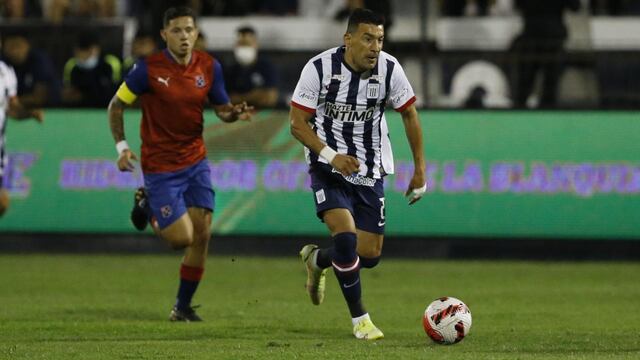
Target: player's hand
{"x":124,"y":160}
{"x":243,"y":111}
{"x":417,"y":187}
{"x":347,"y":165}
{"x":38,"y":115}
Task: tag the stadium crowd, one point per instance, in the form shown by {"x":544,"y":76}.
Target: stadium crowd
{"x":90,"y":71}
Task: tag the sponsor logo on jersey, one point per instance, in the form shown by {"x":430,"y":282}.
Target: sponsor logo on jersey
{"x":307,"y":96}
{"x":164,"y":81}
{"x":343,"y":112}
{"x":357,"y":179}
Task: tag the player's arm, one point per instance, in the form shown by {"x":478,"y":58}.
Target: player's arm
{"x":402,"y":99}
{"x":18,"y":111}
{"x":301,"y":130}
{"x":412,"y":128}
{"x":219,"y":99}
{"x":262,"y":97}
{"x":303,"y":107}
{"x":233,"y":112}
{"x":116,"y":123}
{"x":135,"y":83}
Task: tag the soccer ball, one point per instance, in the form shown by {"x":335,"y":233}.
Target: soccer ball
{"x":447,"y":320}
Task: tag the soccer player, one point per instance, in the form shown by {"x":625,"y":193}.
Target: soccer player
{"x":337,"y":112}
{"x":10,"y":105}
{"x":173,"y":86}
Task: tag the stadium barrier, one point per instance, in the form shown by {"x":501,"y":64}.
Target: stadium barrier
{"x":504,"y":174}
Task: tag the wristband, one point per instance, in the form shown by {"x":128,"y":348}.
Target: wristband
{"x":122,"y":146}
{"x":328,"y":154}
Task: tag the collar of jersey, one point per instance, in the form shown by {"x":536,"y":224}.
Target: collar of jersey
{"x":168,"y":55}
{"x":340,"y":53}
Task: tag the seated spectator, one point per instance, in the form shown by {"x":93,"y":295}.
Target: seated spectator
{"x":20,"y":9}
{"x":58,"y":10}
{"x":252,"y":77}
{"x":143,"y":45}
{"x":38,"y":86}
{"x":90,"y":77}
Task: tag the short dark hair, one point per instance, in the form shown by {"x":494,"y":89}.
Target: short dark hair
{"x":363,"y":16}
{"x":246,"y":30}
{"x":176,"y":12}
{"x":87,"y":39}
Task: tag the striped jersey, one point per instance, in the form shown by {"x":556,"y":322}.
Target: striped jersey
{"x":8,"y":89}
{"x":348,"y":107}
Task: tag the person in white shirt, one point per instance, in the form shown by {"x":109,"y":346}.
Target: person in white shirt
{"x":10,"y":106}
{"x":337,"y":113}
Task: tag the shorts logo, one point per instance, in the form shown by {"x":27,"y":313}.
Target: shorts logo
{"x":320,"y":197}
{"x":200,"y":82}
{"x":166,"y":211}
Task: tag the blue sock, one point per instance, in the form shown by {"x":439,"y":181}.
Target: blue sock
{"x":346,"y":266}
{"x":189,"y":280}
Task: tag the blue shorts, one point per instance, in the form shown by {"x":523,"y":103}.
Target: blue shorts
{"x":171,"y":193}
{"x":363,"y":197}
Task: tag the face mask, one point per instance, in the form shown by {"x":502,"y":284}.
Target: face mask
{"x":88,"y":64}
{"x":245,"y":55}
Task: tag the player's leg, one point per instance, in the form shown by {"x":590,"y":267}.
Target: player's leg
{"x":370,"y":222}
{"x":369,"y":248}
{"x":369,"y":217}
{"x":328,"y":195}
{"x":4,"y":200}
{"x":200,"y":199}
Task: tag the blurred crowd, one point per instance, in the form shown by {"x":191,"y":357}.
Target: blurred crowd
{"x":91,"y":75}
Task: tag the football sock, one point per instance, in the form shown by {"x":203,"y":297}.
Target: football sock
{"x":346,"y":266}
{"x":369,"y":263}
{"x":189,"y":279}
{"x":323,"y":258}
{"x":356,"y":320}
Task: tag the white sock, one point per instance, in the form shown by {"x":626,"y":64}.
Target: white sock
{"x":356,"y":320}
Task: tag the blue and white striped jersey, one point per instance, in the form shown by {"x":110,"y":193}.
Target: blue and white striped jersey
{"x":8,"y":89}
{"x":348,"y":107}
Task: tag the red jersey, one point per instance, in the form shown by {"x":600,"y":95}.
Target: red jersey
{"x":173,"y":98}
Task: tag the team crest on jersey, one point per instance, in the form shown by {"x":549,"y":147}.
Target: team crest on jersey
{"x":166,"y":211}
{"x":372,"y":91}
{"x":200,"y":82}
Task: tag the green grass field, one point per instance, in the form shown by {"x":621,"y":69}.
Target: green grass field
{"x":116,"y":307}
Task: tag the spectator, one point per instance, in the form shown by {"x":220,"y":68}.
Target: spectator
{"x":58,"y":10}
{"x":252,"y":78}
{"x":457,"y":8}
{"x":382,"y":7}
{"x":20,"y":9}
{"x":90,"y":77}
{"x":143,"y":45}
{"x":38,"y":85}
{"x":540,"y":46}
{"x":201,"y":42}
{"x":278,"y":7}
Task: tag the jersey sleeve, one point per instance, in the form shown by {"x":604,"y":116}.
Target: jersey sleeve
{"x":12,"y":83}
{"x":307,"y":92}
{"x":135,"y":83}
{"x":217,"y":93}
{"x":401,"y":95}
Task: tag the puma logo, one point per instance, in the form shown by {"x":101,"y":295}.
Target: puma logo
{"x":164,"y":81}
